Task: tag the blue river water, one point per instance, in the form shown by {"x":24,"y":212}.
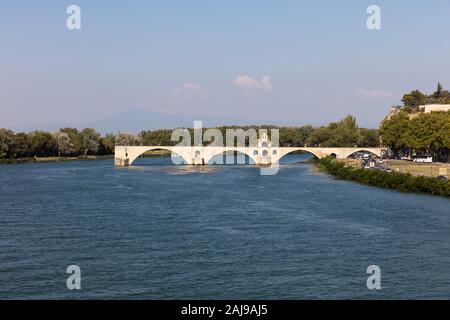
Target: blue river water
{"x":159,"y":231}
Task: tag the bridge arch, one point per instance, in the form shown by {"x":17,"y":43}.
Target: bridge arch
{"x":366,"y":150}
{"x":196,"y":155}
{"x":133,"y":154}
{"x":249,"y":152}
{"x":281,"y":154}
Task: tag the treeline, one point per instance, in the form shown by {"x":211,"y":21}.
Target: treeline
{"x":344,"y":133}
{"x":390,"y":180}
{"x":421,"y":134}
{"x":428,"y":134}
{"x":71,"y":142}
{"x":64,"y":142}
{"x":414,"y":99}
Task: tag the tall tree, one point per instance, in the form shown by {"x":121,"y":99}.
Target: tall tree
{"x":89,"y":141}
{"x":6,"y":139}
{"x":439,"y":90}
{"x":41,"y":144}
{"x":128,"y":139}
{"x":414,"y":99}
{"x":65,"y":144}
{"x":19,"y":146}
{"x":107,"y":144}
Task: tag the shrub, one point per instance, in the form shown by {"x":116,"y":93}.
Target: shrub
{"x":391,"y":180}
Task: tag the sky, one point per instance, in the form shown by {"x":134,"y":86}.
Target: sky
{"x":278,"y":62}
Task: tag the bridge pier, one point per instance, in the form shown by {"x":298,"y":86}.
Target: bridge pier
{"x":121,"y":162}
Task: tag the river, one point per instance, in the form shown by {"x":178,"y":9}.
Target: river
{"x":159,"y":231}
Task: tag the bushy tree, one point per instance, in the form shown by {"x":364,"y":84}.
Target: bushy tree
{"x":6,"y":139}
{"x":128,"y":139}
{"x":414,"y":99}
{"x":19,"y":147}
{"x":107,"y":144}
{"x":41,"y":144}
{"x":344,"y":133}
{"x":440,"y":96}
{"x":89,"y":141}
{"x":157,"y":137}
{"x":369,"y":137}
{"x":65,"y":144}
{"x":427,"y":133}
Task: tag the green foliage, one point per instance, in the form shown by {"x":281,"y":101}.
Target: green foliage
{"x":65,"y":142}
{"x":71,"y":142}
{"x":41,"y":144}
{"x":107,"y":144}
{"x":415,"y":98}
{"x":89,"y":141}
{"x":156,"y":138}
{"x":390,"y":180}
{"x":344,"y":133}
{"x":427,"y":133}
{"x":6,"y":140}
{"x":19,"y":147}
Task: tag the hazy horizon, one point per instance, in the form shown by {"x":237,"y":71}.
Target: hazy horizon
{"x":289,"y":63}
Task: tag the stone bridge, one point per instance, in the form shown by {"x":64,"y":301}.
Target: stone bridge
{"x":260,"y":155}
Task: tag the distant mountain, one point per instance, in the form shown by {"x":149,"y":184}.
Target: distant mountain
{"x":136,"y":120}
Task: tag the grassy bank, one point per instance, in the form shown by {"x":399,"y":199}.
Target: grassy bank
{"x":52,"y":159}
{"x":419,"y":169}
{"x":391,"y":180}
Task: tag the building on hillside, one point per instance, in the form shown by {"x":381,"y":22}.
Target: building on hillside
{"x":428,"y":108}
{"x":434,"y":107}
{"x":394,"y":110}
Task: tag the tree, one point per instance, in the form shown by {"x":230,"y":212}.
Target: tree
{"x":344,"y":133}
{"x":440,"y":96}
{"x":439,"y":90}
{"x":41,"y":144}
{"x":89,"y":141}
{"x":414,"y":99}
{"x":394,"y":131}
{"x":128,"y":139}
{"x":6,"y":139}
{"x":107,"y":144}
{"x":64,"y":143}
{"x":19,"y":147}
{"x":369,"y":137}
{"x":425,"y":134}
{"x":157,"y":137}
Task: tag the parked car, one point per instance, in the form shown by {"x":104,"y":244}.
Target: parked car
{"x":424,"y":160}
{"x":441,"y":178}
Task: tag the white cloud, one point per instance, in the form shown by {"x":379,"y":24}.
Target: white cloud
{"x":249,"y":84}
{"x":373,"y":94}
{"x":189,"y":89}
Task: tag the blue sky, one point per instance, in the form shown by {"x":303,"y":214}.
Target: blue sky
{"x":285,"y":62}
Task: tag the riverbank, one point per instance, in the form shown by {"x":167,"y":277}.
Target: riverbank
{"x":404,"y":182}
{"x":149,"y":154}
{"x":419,"y":169}
{"x":52,"y":159}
